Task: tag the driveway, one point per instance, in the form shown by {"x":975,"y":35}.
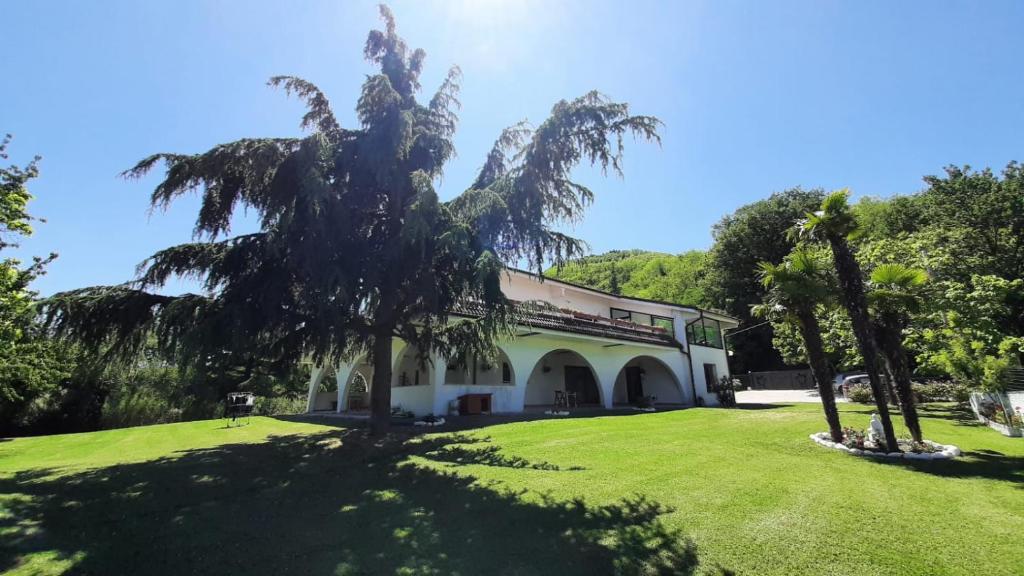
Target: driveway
{"x":779,"y":396}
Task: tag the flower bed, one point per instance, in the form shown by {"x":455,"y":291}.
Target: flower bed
{"x":927,"y":450}
{"x":996,"y":411}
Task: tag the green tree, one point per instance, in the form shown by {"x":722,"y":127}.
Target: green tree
{"x":963,"y":229}
{"x":832,"y":225}
{"x":675,"y":278}
{"x":894,"y":296}
{"x":29,"y":366}
{"x":754,"y":233}
{"x":15,"y":220}
{"x":796,"y":288}
{"x":355,"y":248}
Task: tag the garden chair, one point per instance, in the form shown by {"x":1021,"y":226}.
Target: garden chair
{"x":561,"y":401}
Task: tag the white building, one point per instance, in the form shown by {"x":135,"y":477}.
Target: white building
{"x":602,"y":349}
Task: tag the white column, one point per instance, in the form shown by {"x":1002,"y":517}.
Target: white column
{"x":439,"y":373}
{"x":314,"y":383}
{"x":523,"y":354}
{"x":343,"y":375}
{"x":606,"y":382}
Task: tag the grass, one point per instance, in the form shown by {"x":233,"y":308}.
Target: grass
{"x":693,"y":491}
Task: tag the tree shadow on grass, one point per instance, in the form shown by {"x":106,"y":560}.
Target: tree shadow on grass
{"x":962,"y":415}
{"x":987,"y":464}
{"x":760,"y":406}
{"x":337,"y":502}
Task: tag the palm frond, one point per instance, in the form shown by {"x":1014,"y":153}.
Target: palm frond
{"x":898,"y":275}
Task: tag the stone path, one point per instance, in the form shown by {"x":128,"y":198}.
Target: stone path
{"x":779,"y":396}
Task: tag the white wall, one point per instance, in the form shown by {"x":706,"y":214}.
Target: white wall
{"x":605,"y":357}
{"x":704,"y":355}
{"x":522,"y":287}
{"x":418,"y":399}
{"x":505,"y":398}
{"x":324,"y":400}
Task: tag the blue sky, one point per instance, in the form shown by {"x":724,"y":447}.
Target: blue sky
{"x":756,"y":97}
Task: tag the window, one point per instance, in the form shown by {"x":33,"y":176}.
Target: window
{"x":645,"y":319}
{"x":620,"y":314}
{"x":705,"y":332}
{"x":506,"y":373}
{"x":711,"y":377}
{"x":665,"y":323}
{"x":639,"y":318}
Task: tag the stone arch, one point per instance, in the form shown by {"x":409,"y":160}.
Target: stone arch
{"x":357,"y":391}
{"x":644,"y":375}
{"x":324,"y":389}
{"x":359,"y":369}
{"x":498,"y":372}
{"x":407,"y":371}
{"x":560,"y":369}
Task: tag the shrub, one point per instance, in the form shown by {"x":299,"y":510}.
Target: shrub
{"x":860,"y":393}
{"x":280,"y":405}
{"x":938,"y":391}
{"x":726,"y":391}
{"x":141,"y":407}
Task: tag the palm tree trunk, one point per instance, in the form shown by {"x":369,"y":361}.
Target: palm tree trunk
{"x":810,"y":330}
{"x":855,"y":301}
{"x":896,"y":361}
{"x":890,"y":381}
{"x":380,"y":391}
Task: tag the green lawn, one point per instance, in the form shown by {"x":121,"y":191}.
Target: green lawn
{"x":678,"y":492}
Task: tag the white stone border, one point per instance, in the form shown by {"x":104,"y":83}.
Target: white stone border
{"x":943,"y":451}
{"x":439,"y":422}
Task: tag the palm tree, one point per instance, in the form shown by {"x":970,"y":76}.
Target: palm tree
{"x":832,"y":225}
{"x":893,"y":298}
{"x":795,"y":288}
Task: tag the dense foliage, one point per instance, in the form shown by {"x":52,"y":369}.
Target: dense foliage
{"x":675,"y":278}
{"x":754,"y":233}
{"x":30,"y":366}
{"x":964,"y":231}
{"x":47,"y":386}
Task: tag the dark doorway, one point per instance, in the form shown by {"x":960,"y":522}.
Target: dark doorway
{"x":711,"y":377}
{"x":634,"y":384}
{"x":580,"y":379}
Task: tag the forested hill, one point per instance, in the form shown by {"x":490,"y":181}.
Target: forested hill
{"x":653,"y":275}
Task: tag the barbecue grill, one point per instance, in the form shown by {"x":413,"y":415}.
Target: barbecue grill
{"x":240,"y":405}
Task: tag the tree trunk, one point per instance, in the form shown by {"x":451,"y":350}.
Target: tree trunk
{"x":380,"y":391}
{"x":890,"y":381}
{"x":821,"y":368}
{"x":899,"y":368}
{"x":855,"y":301}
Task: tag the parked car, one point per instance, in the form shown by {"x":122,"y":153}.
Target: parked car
{"x":852,"y":380}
